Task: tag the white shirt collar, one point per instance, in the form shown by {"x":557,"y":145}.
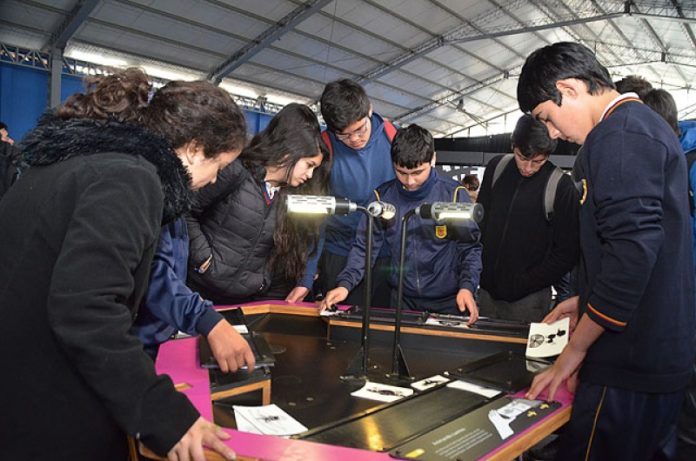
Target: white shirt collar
{"x":616,"y":100}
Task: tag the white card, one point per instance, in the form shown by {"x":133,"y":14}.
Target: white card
{"x":267,"y":420}
{"x":548,"y":340}
{"x":475,"y":388}
{"x":382,"y":392}
{"x":427,"y":383}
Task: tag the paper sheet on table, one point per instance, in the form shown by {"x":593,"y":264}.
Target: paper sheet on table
{"x":475,"y":388}
{"x":266,"y":420}
{"x":427,"y":383}
{"x":382,"y":392}
{"x":547,"y":340}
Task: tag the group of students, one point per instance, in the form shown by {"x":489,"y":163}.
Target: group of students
{"x":107,"y":252}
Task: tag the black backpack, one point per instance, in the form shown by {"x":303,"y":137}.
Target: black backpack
{"x":551,"y":183}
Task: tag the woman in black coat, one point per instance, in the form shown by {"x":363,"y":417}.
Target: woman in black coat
{"x":78,"y":233}
{"x":243,"y":246}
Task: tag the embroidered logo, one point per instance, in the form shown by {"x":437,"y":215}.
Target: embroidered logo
{"x":583,"y":192}
{"x":441,"y":231}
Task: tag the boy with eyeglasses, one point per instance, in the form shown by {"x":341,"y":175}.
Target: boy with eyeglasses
{"x":525,"y":251}
{"x":360,"y":143}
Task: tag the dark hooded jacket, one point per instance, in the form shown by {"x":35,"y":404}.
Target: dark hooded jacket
{"x":78,"y":232}
{"x":233,"y":220}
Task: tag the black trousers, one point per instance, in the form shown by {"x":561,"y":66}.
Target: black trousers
{"x":608,"y":423}
{"x":330,"y":265}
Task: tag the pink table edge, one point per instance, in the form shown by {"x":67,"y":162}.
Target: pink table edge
{"x":177,"y":358}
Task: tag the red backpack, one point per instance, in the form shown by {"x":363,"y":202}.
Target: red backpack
{"x":389,"y":131}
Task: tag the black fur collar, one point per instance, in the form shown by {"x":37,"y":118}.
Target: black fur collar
{"x":55,"y":140}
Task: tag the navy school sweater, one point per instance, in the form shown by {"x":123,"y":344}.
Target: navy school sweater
{"x":636,"y":273}
{"x":435,"y":267}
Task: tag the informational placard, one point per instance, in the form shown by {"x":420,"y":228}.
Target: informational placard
{"x":475,"y":434}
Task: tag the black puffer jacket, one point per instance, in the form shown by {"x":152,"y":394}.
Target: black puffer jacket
{"x":233,"y":220}
{"x":79,"y":229}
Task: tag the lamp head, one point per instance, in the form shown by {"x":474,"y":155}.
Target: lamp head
{"x":319,"y":204}
{"x":444,"y":211}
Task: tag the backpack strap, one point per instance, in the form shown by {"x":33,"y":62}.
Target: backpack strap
{"x":690,"y":159}
{"x":550,"y":192}
{"x":389,"y":130}
{"x":327,"y":141}
{"x":500,"y":167}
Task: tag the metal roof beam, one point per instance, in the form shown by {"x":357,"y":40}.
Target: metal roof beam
{"x":455,"y":37}
{"x":685,"y":26}
{"x":286,"y":24}
{"x":421,"y":110}
{"x":73,"y":21}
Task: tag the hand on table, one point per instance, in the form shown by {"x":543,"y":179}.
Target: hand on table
{"x":297,"y":294}
{"x":564,"y":369}
{"x":201,"y":433}
{"x":466,"y":302}
{"x":334,"y":296}
{"x":230,"y":349}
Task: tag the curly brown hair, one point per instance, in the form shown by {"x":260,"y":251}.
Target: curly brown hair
{"x":121,"y":96}
{"x":179,"y":111}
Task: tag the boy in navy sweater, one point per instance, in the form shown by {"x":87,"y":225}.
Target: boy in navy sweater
{"x":443,"y":261}
{"x":630,"y":354}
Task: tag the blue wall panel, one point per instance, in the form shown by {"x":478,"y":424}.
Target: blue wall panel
{"x":24,"y":97}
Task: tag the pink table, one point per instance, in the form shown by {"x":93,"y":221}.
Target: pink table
{"x":178,"y":359}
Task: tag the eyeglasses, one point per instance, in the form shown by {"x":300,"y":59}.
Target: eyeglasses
{"x":359,"y":133}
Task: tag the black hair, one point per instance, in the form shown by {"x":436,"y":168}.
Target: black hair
{"x":412,"y":146}
{"x":343,"y":102}
{"x":186,"y":111}
{"x":471,"y":182}
{"x":3,"y":126}
{"x":180,"y":112}
{"x":663,"y":103}
{"x":292,"y":134}
{"x":532,"y":138}
{"x":559,"y":61}
{"x":633,"y":84}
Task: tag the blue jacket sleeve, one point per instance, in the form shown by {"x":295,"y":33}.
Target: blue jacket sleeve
{"x":170,"y":300}
{"x":313,"y":262}
{"x":354,"y":271}
{"x":469,"y":250}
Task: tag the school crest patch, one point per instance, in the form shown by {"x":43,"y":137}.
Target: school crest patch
{"x":583,"y":192}
{"x":441,"y":231}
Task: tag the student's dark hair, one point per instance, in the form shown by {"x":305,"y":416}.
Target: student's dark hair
{"x":3,"y":126}
{"x":179,"y":111}
{"x":633,"y":84}
{"x":343,"y":102}
{"x":662,"y":102}
{"x":547,"y":65}
{"x":532,"y":138}
{"x":121,"y":95}
{"x":471,"y":182}
{"x":292,"y":134}
{"x":412,"y":146}
{"x":185,"y":111}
